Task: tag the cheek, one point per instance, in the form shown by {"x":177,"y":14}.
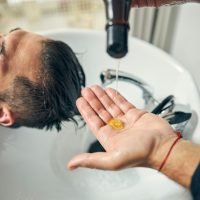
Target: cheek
{"x":1,"y":62}
{"x":7,"y":74}
{"x":6,"y":82}
{"x":3,"y":66}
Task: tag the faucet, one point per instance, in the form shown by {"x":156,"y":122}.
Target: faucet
{"x":117,"y":26}
{"x":109,"y":76}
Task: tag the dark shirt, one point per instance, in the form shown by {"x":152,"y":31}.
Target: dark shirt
{"x":195,"y":184}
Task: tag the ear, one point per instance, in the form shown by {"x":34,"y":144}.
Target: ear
{"x":6,"y":116}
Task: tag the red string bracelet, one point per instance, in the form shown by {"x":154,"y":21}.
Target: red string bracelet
{"x":179,"y":136}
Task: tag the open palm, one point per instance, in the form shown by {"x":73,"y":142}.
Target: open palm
{"x":131,"y":146}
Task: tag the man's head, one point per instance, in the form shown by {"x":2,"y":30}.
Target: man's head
{"x":40,"y":80}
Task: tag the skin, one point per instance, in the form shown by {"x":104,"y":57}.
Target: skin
{"x":144,"y":141}
{"x":158,"y":3}
{"x":21,"y":58}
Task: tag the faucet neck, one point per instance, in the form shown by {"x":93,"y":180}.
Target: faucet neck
{"x":117,"y":26}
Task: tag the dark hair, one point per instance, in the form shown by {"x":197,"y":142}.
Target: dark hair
{"x":53,"y":100}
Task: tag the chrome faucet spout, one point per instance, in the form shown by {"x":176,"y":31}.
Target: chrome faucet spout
{"x":109,"y":76}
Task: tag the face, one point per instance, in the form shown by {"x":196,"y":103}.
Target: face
{"x":19,"y":56}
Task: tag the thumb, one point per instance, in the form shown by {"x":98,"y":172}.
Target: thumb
{"x":100,"y":160}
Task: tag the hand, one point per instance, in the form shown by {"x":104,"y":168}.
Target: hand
{"x":135,"y":145}
{"x":158,"y":3}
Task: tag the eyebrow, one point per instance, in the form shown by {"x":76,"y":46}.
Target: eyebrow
{"x":15,"y":29}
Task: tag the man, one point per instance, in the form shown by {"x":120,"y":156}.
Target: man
{"x":40,"y":80}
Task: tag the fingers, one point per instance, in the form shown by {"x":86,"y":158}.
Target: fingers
{"x":98,"y":106}
{"x":101,"y":160}
{"x":122,"y":103}
{"x":106,"y":101}
{"x":89,"y":115}
{"x":95,"y":123}
{"x":94,"y":102}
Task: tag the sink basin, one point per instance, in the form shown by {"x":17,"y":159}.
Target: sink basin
{"x":33,"y":162}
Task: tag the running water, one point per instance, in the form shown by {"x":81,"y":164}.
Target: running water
{"x":117,"y":76}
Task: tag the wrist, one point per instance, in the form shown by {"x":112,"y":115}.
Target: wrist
{"x":182,"y":161}
{"x":161,"y":147}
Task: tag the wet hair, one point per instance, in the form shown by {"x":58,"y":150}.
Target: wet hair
{"x":45,"y":104}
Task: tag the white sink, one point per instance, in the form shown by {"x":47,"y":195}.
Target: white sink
{"x":33,"y":162}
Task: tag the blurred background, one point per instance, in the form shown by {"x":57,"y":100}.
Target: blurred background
{"x":175,"y":29}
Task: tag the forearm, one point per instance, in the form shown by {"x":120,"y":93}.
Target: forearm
{"x":158,"y":3}
{"x":182,"y":161}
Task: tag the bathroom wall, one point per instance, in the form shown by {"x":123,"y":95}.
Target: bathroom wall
{"x":186,"y":40}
